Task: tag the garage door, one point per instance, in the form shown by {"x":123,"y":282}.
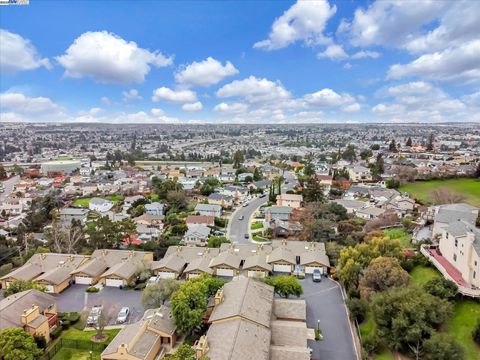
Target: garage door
{"x":224,"y":272}
{"x":83,"y":280}
{"x":49,"y":289}
{"x":282,"y":268}
{"x":256,"y":274}
{"x":193,"y":275}
{"x":166,"y":275}
{"x":114,"y":282}
{"x":309,"y":269}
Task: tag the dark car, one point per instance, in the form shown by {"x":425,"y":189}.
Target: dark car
{"x":316,"y":275}
{"x":246,"y":236}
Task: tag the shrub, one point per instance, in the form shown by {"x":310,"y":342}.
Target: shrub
{"x":41,"y":342}
{"x":140,"y":286}
{"x":5,"y":269}
{"x":441,"y":287}
{"x":65,"y":324}
{"x":56,"y":332}
{"x":476,"y":332}
{"x":358,"y":309}
{"x":92,"y":289}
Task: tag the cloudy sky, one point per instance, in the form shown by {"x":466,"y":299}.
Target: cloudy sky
{"x":240,"y":62}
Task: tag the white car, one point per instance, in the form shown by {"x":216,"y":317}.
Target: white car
{"x":94,"y":315}
{"x":123,"y":315}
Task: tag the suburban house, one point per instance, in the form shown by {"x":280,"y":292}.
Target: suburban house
{"x":100,"y":205}
{"x":208,"y":210}
{"x":226,"y":263}
{"x":326,"y":181}
{"x":49,"y":269}
{"x":200,"y":264}
{"x":370,"y":212}
{"x":315,"y":257}
{"x":458,"y":252}
{"x":282,"y":259}
{"x":69,"y":214}
{"x":200,"y":220}
{"x":256,"y":265}
{"x":259,"y":326}
{"x":196,"y":235}
{"x":238,"y":193}
{"x":154,"y":209}
{"x":225,"y":201}
{"x":112,"y":267}
{"x":352,"y":206}
{"x":150,"y":338}
{"x":359,"y":173}
{"x":290,"y":200}
{"x":31,"y":310}
{"x":277,"y":213}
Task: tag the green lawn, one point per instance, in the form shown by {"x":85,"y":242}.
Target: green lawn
{"x":400,"y":235}
{"x":256,"y":225}
{"x":367,"y":327}
{"x":75,"y":334}
{"x":83,"y":202}
{"x":461,"y":325}
{"x":422,"y":274}
{"x":76,"y":354}
{"x":421,"y":189}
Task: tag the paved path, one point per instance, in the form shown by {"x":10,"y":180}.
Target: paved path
{"x":325,"y":303}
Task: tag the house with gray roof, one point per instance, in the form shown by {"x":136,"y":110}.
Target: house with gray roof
{"x":208,"y":210}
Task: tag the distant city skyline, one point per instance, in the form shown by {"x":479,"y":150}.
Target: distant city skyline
{"x":240,"y":62}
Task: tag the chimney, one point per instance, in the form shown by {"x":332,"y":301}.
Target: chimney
{"x":201,"y":347}
{"x":218,"y":296}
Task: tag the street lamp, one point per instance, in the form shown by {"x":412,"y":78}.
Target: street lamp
{"x":318,"y":325}
{"x":91,"y":352}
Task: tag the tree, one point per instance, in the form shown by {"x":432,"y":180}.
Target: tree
{"x":405,"y":317}
{"x":16,"y":344}
{"x":349,"y":154}
{"x":154,"y":295}
{"x":446,"y":196}
{"x":65,"y":239}
{"x":409,"y":142}
{"x":177,"y":200}
{"x":238,"y":159}
{"x":108,"y":234}
{"x":189,"y":302}
{"x":377,"y":168}
{"x":393,"y":146}
{"x":442,"y":346}
{"x":442,"y":288}
{"x":216,"y":241}
{"x":308,"y":170}
{"x":375,"y":147}
{"x":285,"y":285}
{"x":477,"y":171}
{"x":358,"y":309}
{"x":313,"y":191}
{"x":3,"y":173}
{"x":382,"y":274}
{"x":430,"y":140}
{"x":365,"y":154}
{"x":17,"y":286}
{"x":257,"y":174}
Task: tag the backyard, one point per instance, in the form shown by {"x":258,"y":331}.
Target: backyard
{"x":400,"y":235}
{"x":461,"y":325}
{"x":421,"y":274}
{"x":83,"y":202}
{"x":421,"y":190}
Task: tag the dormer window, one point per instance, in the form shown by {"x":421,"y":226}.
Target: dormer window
{"x":456,"y":242}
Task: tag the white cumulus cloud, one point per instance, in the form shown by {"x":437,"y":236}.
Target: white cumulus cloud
{"x":107,"y":58}
{"x":205,"y":73}
{"x":254,"y":90}
{"x":333,"y":52}
{"x":192,"y":107}
{"x":18,"y":54}
{"x":176,"y":96}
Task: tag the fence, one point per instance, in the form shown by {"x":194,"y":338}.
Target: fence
{"x":72,"y":344}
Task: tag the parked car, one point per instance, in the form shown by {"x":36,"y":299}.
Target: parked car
{"x":317,"y":275}
{"x":263,"y":195}
{"x":94,"y":315}
{"x":246,"y":236}
{"x":245,"y":204}
{"x":241,"y":218}
{"x":123,"y":315}
{"x":152,"y":280}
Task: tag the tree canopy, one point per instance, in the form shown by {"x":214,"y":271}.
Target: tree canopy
{"x":17,"y":286}
{"x":285,"y":285}
{"x":16,"y":344}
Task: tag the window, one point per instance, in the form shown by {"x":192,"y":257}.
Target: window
{"x":474,"y":274}
{"x":454,"y":257}
{"x":456,"y":243}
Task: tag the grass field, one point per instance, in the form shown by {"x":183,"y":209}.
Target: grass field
{"x":400,"y":235}
{"x":75,"y":334}
{"x":422,"y":274}
{"x":83,"y":202}
{"x":460,"y":326}
{"x":256,"y":225}
{"x":421,"y":189}
{"x":76,"y":354}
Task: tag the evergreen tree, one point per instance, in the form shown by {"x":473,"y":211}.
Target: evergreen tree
{"x":393,"y":146}
{"x":430,"y":141}
{"x":409,"y":142}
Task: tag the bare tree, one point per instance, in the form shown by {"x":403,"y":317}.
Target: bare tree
{"x":446,"y":196}
{"x":65,"y":238}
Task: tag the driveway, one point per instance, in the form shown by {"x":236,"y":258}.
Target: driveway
{"x":325,"y":303}
{"x":113,"y":299}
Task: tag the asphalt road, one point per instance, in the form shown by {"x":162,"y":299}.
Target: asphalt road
{"x":8,"y":186}
{"x":325,"y":303}
{"x":238,"y":228}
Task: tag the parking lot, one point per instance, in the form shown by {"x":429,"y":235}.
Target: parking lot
{"x":325,"y":303}
{"x":112,"y":299}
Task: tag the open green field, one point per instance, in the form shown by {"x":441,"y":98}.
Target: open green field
{"x":421,"y":189}
{"x":75,"y":334}
{"x":83,"y":202}
{"x":422,"y":274}
{"x":400,"y":235}
{"x":76,"y":354}
{"x":461,"y":325}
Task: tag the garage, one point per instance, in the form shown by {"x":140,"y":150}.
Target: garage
{"x":167,"y":275}
{"x":256,"y":274}
{"x":49,"y":288}
{"x":192,"y":275}
{"x":309,"y":269}
{"x":83,"y":280}
{"x":225,"y":272}
{"x":114,"y":282}
{"x":282,"y":268}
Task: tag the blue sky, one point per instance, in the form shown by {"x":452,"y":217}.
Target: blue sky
{"x":240,"y":61}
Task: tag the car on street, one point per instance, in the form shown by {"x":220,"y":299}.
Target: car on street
{"x":263,"y":195}
{"x":241,"y":218}
{"x":316,"y":275}
{"x":246,"y":236}
{"x":245,"y":204}
{"x":94,"y":315}
{"x":123,"y":315}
